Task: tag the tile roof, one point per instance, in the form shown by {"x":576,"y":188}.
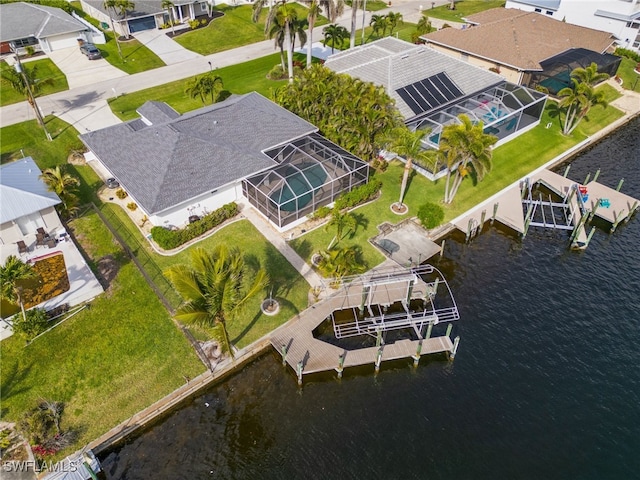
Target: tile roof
{"x":21,"y":190}
{"x":521,"y":40}
{"x":22,"y":20}
{"x":165,"y":164}
{"x":395,"y":63}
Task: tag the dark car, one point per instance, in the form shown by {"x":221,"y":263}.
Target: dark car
{"x":112,"y":183}
{"x":91,"y":51}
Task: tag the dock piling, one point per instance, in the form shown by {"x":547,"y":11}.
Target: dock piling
{"x":416,"y":357}
{"x":595,"y":177}
{"x":586,"y":180}
{"x":593,"y":229}
{"x":442,"y":249}
{"x":566,"y":171}
{"x":632,"y":210}
{"x":619,"y":184}
{"x":378,"y":359}
{"x":456,"y":342}
{"x":340,"y":364}
{"x":284,"y":354}
{"x":482,"y":218}
{"x":299,"y":369}
{"x":449,"y":328}
{"x":495,"y":211}
{"x":616,"y":222}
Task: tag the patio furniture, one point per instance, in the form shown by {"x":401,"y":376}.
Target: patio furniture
{"x":50,"y":242}
{"x":41,"y":231}
{"x":40,"y":239}
{"x":22,"y":247}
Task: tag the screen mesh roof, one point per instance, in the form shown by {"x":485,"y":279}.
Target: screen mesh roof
{"x":427,"y":94}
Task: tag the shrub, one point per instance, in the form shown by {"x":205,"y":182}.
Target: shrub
{"x":430,"y":215}
{"x":120,"y":193}
{"x":359,"y":195}
{"x":30,"y":50}
{"x":170,"y":239}
{"x":36,"y":323}
{"x":320,"y":213}
{"x":132,"y":206}
{"x":380,"y":164}
{"x":277,"y":73}
{"x":194,"y":24}
{"x":625,"y":52}
{"x":542,"y":88}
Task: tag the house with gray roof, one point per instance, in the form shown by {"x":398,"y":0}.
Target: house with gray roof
{"x":43,"y":28}
{"x":431,"y":89}
{"x":179,"y":166}
{"x":146,"y":14}
{"x":26,"y":202}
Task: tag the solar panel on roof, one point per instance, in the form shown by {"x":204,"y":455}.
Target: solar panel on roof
{"x":429,"y":93}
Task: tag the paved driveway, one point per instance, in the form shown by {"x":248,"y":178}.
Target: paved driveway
{"x":170,"y":52}
{"x":81,"y":71}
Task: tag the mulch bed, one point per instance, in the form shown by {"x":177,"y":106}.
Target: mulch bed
{"x":208,"y":18}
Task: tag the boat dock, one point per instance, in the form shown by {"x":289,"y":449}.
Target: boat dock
{"x":368,"y":296}
{"x":516,"y":208}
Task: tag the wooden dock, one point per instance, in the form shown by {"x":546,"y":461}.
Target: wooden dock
{"x":508,"y":211}
{"x":296,"y":337}
{"x":609,"y":204}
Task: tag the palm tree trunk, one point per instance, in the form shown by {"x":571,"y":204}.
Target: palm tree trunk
{"x":405,"y":178}
{"x":115,"y":36}
{"x":446,"y":186}
{"x":226,"y":340}
{"x":289,"y":51}
{"x":311,"y":25}
{"x":173,"y":27}
{"x":354,"y":11}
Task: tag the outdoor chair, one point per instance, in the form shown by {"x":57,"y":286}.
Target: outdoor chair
{"x":41,"y":231}
{"x":40,"y":239}
{"x":22,"y":247}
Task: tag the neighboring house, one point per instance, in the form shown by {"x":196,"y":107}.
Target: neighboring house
{"x":431,"y":89}
{"x":146,"y":15}
{"x":26,"y":203}
{"x":43,"y":28}
{"x":619,"y":17}
{"x":178,"y":166}
{"x":525,"y":47}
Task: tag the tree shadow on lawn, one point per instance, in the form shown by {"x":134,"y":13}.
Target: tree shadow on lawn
{"x":284,"y":303}
{"x":13,"y":382}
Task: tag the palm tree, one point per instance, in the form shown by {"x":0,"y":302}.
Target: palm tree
{"x":333,"y":9}
{"x":465,"y":148}
{"x":298,"y":29}
{"x":314,"y":10}
{"x":577,"y":101}
{"x":336,"y":34}
{"x":393,"y":20}
{"x":284,"y":14}
{"x":589,"y":75}
{"x":341,"y":221}
{"x":168,"y":6}
{"x":215,"y":288}
{"x":355,"y":4}
{"x":408,"y":144}
{"x":12,"y":273}
{"x":64,"y":185}
{"x":16,"y":81}
{"x":204,"y":86}
{"x":124,"y":6}
{"x":110,"y":6}
{"x":338,"y":262}
{"x":424,"y":25}
{"x":378,"y":23}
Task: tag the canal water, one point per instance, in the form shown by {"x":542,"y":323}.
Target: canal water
{"x":546,"y":384}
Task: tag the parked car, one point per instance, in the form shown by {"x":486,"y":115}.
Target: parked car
{"x":91,"y":51}
{"x":112,"y":183}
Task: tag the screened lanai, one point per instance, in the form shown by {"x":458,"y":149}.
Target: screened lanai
{"x":503,"y":109}
{"x":311,"y":173}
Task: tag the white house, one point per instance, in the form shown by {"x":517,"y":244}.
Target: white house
{"x":26,"y":204}
{"x":619,"y":17}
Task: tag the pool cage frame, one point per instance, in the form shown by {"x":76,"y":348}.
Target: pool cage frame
{"x":311,"y":172}
{"x":503,"y":109}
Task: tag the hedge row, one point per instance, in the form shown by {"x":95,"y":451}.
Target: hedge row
{"x":170,"y":239}
{"x":359,"y":195}
{"x":625,"y":52}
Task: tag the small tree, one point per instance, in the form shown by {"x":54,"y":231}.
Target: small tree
{"x":343,"y":222}
{"x":168,"y":6}
{"x":577,"y":100}
{"x":430,"y":215}
{"x":34,"y":323}
{"x":207,"y":85}
{"x":334,"y":34}
{"x":65,"y":186}
{"x":393,"y":19}
{"x":340,"y":262}
{"x":12,"y":274}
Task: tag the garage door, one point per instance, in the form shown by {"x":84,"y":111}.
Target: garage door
{"x":139,"y":24}
{"x":63,"y":41}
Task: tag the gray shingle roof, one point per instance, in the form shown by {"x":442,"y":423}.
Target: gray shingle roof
{"x":142,"y":8}
{"x":157,"y":112}
{"x":165,"y":164}
{"x":22,"y":20}
{"x":21,"y":190}
{"x":395,"y":63}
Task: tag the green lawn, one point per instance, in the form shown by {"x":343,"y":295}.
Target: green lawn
{"x":136,"y":57}
{"x":241,"y":78}
{"x":403,"y":32}
{"x":234,"y":29}
{"x":47,"y":71}
{"x":463,"y":9}
{"x":372,"y":5}
{"x":510,"y":162}
{"x":630,"y":79}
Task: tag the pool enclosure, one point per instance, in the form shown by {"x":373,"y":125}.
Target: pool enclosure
{"x":504,"y":110}
{"x":556,"y":71}
{"x":311,"y":172}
